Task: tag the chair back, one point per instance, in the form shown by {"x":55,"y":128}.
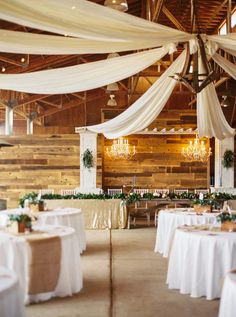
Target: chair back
{"x":114,"y":191}
{"x":65,"y":192}
{"x":46,"y":191}
{"x":140,"y":190}
{"x":203,"y":191}
{"x":180,"y":191}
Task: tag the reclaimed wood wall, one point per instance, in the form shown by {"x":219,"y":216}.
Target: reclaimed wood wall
{"x":42,"y":161}
{"x":157,"y":164}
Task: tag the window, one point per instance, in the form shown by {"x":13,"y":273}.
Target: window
{"x":222,"y":28}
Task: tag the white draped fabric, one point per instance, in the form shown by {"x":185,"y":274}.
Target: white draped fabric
{"x":224,"y":63}
{"x":85,"y":19}
{"x":145,"y":109}
{"x":211,"y":121}
{"x":227,"y":41}
{"x":82,"y":77}
{"x":31,"y":43}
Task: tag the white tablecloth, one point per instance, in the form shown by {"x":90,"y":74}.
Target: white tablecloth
{"x":228,"y":296}
{"x":70,"y":217}
{"x":11,"y":299}
{"x":14,"y":253}
{"x":199,"y":260}
{"x":170,"y":219}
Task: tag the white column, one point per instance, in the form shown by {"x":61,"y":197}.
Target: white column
{"x":88,"y":177}
{"x":30,"y":125}
{"x":8,"y":120}
{"x":224,"y":177}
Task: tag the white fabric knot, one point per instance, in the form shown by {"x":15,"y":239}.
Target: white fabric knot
{"x":193,"y":46}
{"x":171,"y":47}
{"x":211,"y":47}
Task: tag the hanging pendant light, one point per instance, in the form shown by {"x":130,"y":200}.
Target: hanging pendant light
{"x":120,"y":5}
{"x":120,"y":149}
{"x":112,"y":101}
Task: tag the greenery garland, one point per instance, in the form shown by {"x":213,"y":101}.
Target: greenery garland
{"x":88,"y":160}
{"x":213,"y":199}
{"x":228,"y":159}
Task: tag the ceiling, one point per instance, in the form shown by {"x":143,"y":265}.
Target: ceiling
{"x":172,"y":13}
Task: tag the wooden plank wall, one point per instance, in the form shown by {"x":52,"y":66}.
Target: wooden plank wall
{"x":157,"y":164}
{"x":42,"y":161}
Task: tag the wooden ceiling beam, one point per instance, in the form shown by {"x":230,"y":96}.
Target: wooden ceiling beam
{"x":11,"y":61}
{"x":217,"y":84}
{"x":30,"y":99}
{"x":69,"y":105}
{"x":171,"y":17}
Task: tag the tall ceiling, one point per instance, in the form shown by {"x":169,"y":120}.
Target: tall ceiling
{"x":172,"y":13}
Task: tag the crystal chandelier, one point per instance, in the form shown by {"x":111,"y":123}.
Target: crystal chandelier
{"x":196,"y":151}
{"x":120,"y":149}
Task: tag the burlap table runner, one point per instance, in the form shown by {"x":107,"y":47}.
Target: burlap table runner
{"x":44,"y":263}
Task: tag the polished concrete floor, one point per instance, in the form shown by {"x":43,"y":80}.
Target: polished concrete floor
{"x":123,"y":277}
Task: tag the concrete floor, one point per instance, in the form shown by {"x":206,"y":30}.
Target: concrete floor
{"x":137,"y":287}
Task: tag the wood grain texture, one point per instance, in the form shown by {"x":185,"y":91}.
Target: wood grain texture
{"x":42,"y":161}
{"x":157,"y":164}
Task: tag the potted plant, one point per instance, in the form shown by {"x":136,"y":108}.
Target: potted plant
{"x":88,"y":159}
{"x":228,"y":159}
{"x":228,"y":221}
{"x":20,"y":222}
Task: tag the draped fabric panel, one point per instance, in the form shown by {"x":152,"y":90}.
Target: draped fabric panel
{"x":31,"y":43}
{"x":81,"y":18}
{"x":224,"y":41}
{"x":145,"y":109}
{"x":229,"y":67}
{"x":211,"y":121}
{"x":82,"y":77}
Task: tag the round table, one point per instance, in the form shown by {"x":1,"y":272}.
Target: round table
{"x":11,"y":299}
{"x":170,"y":219}
{"x":227,"y":302}
{"x":70,"y":217}
{"x":199,"y":260}
{"x":15,"y":255}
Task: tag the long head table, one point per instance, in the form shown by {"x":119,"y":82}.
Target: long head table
{"x":98,"y":214}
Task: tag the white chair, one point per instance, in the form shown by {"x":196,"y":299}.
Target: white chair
{"x":180,"y":191}
{"x":161,"y":191}
{"x":114,"y":191}
{"x":46,"y":191}
{"x":140,"y":191}
{"x":65,"y":192}
{"x":204,"y":191}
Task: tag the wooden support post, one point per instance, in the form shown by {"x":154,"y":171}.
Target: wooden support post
{"x":8,"y":120}
{"x":29,"y":125}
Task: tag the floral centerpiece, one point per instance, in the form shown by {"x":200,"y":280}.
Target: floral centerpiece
{"x":33,"y":201}
{"x":19,"y":223}
{"x":228,"y":221}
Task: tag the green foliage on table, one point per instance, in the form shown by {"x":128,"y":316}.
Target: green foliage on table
{"x":214,"y":199}
{"x":208,"y":202}
{"x":21,"y":218}
{"x":88,"y":159}
{"x":228,"y":159}
{"x":31,"y":197}
{"x":225,"y":216}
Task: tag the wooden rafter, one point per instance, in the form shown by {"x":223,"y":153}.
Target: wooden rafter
{"x":172,"y":18}
{"x":69,"y":105}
